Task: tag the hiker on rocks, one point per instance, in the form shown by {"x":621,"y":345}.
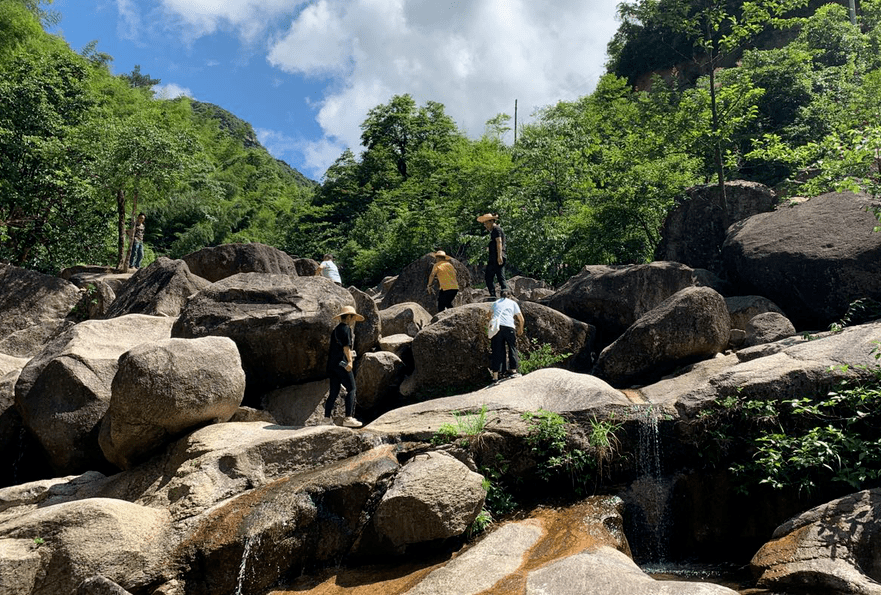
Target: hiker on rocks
{"x":446,"y":280}
{"x":328,"y":269}
{"x":137,"y":236}
{"x":505,"y":325}
{"x":340,"y":359}
{"x":495,"y":267}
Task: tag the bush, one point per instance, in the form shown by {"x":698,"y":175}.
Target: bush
{"x":540,"y":356}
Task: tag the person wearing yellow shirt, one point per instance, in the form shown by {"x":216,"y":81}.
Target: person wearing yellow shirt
{"x":446,"y":279}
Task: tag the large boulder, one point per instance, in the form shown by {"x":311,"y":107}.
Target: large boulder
{"x":411,"y":282}
{"x":121,"y":541}
{"x":434,"y":496}
{"x":830,"y":548}
{"x":377,"y":376}
{"x":741,"y":308}
{"x":315,"y":517}
{"x":369,"y":330}
{"x":767,"y":328}
{"x":692,"y":324}
{"x":694,"y":231}
{"x":160,"y":289}
{"x":219,"y":262}
{"x":812,"y":259}
{"x":611,"y":298}
{"x":33,"y":309}
{"x":454,"y":352}
{"x":526,"y":288}
{"x":607,"y":571}
{"x":406,"y":318}
{"x":280,"y":324}
{"x":796,"y":367}
{"x":63,"y":392}
{"x":165,"y":388}
{"x":577,"y":396}
{"x":301,"y":404}
{"x":84,"y":275}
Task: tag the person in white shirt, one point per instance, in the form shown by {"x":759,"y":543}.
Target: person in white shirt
{"x":328,"y":269}
{"x":510,"y":324}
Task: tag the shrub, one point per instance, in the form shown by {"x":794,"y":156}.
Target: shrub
{"x":540,"y":356}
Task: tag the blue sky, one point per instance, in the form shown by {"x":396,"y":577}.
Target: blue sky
{"x":305,"y":74}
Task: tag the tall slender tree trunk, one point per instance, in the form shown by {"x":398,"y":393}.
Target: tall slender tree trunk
{"x":123,"y":266}
{"x":120,"y":223}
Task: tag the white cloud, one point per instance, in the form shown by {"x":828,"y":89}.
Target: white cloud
{"x":476,"y":57}
{"x":171,"y":91}
{"x":129,"y":24}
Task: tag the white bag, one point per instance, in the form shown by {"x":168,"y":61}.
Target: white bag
{"x":493,"y":327}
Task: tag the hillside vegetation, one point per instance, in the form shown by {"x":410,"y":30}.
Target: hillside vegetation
{"x":588,"y":182}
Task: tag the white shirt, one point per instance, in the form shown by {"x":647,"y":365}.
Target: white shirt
{"x":504,"y":309}
{"x":330,"y":270}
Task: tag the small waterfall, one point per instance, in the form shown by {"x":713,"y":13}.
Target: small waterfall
{"x":649,"y":495}
{"x":250,"y":541}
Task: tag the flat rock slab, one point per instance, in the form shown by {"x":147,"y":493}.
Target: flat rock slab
{"x":552,"y":389}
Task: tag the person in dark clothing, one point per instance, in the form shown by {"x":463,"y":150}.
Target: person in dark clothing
{"x":340,"y":359}
{"x":495,"y":266}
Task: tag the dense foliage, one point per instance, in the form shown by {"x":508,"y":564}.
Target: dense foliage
{"x":795,"y":103}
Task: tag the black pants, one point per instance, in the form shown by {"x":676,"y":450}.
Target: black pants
{"x":505,"y":336}
{"x":339,"y":376}
{"x":445,"y":299}
{"x":493,"y":270}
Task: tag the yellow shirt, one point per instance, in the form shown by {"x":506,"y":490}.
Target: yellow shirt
{"x":446,"y":275}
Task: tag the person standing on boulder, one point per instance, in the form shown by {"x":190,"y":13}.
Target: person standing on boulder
{"x":505,"y":325}
{"x":328,"y":269}
{"x":137,"y":235}
{"x":495,"y":267}
{"x":446,"y":280}
{"x":340,"y":359}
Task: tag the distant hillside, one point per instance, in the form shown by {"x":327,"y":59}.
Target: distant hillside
{"x":244,"y":133}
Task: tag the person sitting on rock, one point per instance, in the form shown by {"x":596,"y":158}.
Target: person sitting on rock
{"x":328,"y":269}
{"x":446,"y":280}
{"x":505,"y":325}
{"x":340,"y":359}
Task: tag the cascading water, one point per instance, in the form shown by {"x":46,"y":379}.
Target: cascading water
{"x":648,"y":496}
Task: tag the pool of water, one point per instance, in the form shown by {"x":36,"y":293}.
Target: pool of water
{"x":734,"y":577}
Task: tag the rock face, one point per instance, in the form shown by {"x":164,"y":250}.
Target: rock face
{"x":280,"y":324}
{"x":63,"y":392}
{"x":433,"y":497}
{"x":694,"y":231}
{"x":406,"y":318}
{"x":411,"y":282}
{"x":33,"y":308}
{"x":690,"y":325}
{"x":830,"y":548}
{"x":812,"y":259}
{"x":220,"y":262}
{"x":167,"y":387}
{"x":369,"y":330}
{"x":454,"y":352}
{"x":301,"y":404}
{"x":123,"y":542}
{"x":611,"y":298}
{"x":160,"y":289}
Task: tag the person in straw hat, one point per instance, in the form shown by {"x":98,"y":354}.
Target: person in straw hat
{"x":495,"y":267}
{"x":340,"y":359}
{"x":446,"y":280}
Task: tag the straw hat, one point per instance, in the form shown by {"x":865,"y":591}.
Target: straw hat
{"x":441,"y":254}
{"x":487,"y":217}
{"x":349,"y":310}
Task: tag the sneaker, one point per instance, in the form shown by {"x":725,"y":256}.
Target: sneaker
{"x":351,"y":422}
{"x":515,"y":374}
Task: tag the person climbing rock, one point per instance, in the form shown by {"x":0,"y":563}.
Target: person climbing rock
{"x":446,"y":280}
{"x":506,"y":323}
{"x":329,"y":269}
{"x":340,"y":359}
{"x":495,"y":266}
